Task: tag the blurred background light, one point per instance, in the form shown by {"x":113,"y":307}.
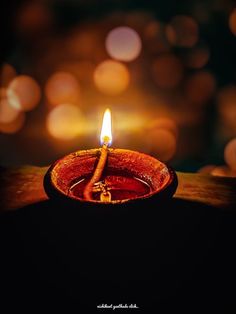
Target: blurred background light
{"x":230,"y":154}
{"x":197,"y":57}
{"x":111,"y":77}
{"x":200,"y":87}
{"x":32,"y":17}
{"x":167,"y":71}
{"x":7,"y":112}
{"x":223,"y":171}
{"x":161,"y":143}
{"x":162,"y":67}
{"x":7,"y":74}
{"x":23,"y":93}
{"x":226,"y":102}
{"x":14,"y":125}
{"x":65,"y":122}
{"x":62,"y":87}
{"x":155,"y":40}
{"x":163,"y":123}
{"x":232,"y":22}
{"x":206,"y":169}
{"x":123,"y":43}
{"x":182,"y":31}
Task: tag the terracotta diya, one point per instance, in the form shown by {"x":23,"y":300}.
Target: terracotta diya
{"x":109,"y":176}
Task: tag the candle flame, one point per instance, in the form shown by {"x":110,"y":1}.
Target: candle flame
{"x":106,"y":136}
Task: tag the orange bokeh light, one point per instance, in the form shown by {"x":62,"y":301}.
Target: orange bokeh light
{"x":182,"y":31}
{"x":223,"y":171}
{"x":23,"y":93}
{"x":167,"y":71}
{"x":230,"y":154}
{"x":13,"y":126}
{"x":227,"y":109}
{"x":163,"y":123}
{"x":111,"y":77}
{"x":62,"y":87}
{"x":232,"y":22}
{"x":161,"y":143}
{"x":7,"y":74}
{"x":7,"y":112}
{"x":206,"y":169}
{"x":200,"y":87}
{"x":197,"y":57}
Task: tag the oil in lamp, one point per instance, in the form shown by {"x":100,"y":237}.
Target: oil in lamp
{"x":109,"y":176}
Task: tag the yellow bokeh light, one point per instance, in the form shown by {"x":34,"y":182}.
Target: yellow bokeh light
{"x":65,"y":122}
{"x":111,"y":77}
{"x":123,"y":43}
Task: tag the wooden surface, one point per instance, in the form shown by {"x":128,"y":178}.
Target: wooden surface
{"x":23,"y":186}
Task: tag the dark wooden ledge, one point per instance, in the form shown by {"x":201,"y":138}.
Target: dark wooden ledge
{"x":23,"y":186}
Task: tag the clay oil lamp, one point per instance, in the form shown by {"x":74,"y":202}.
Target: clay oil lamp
{"x":108,"y":177}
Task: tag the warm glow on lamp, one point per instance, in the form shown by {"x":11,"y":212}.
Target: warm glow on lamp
{"x":106,"y":135}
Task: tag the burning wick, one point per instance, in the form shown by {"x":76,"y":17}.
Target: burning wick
{"x":94,"y":185}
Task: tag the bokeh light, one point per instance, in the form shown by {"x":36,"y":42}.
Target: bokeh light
{"x":23,"y":93}
{"x":226,"y":99}
{"x":163,"y":123}
{"x":65,"y":122}
{"x":7,"y":112}
{"x":161,"y":143}
{"x":230,"y":154}
{"x":160,"y":71}
{"x":155,"y":40}
{"x":223,"y":171}
{"x":206,"y":169}
{"x":167,"y":71}
{"x":182,"y":31}
{"x":197,"y":57}
{"x":152,"y":30}
{"x":85,"y":42}
{"x":62,"y":87}
{"x":7,"y":74}
{"x":33,"y":16}
{"x":123,"y":44}
{"x":15,"y":125}
{"x":111,"y":77}
{"x":200,"y":87}
{"x":232,"y":22}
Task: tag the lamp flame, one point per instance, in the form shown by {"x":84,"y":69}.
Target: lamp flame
{"x":106,"y":136}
